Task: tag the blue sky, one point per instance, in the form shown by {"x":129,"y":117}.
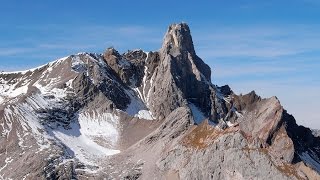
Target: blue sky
{"x":271,"y":46}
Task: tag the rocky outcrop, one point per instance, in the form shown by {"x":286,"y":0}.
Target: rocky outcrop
{"x":260,"y":123}
{"x":128,"y":67}
{"x":179,"y":77}
{"x":282,"y":146}
{"x":267,"y":125}
{"x":178,"y":42}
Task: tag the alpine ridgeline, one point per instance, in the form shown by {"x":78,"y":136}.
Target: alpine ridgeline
{"x":142,"y":115}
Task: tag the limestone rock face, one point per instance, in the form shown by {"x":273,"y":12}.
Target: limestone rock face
{"x":178,"y":41}
{"x":142,"y":115}
{"x":180,"y":72}
{"x":282,"y":146}
{"x":263,"y":120}
{"x":128,"y":67}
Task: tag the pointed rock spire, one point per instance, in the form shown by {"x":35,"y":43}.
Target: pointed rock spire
{"x":178,"y":39}
{"x":178,"y":44}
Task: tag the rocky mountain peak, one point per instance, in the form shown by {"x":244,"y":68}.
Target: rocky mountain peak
{"x":178,"y":45}
{"x":178,"y":39}
{"x":111,"y":52}
{"x":142,"y":114}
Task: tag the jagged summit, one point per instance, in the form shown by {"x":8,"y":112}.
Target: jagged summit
{"x":178,"y":38}
{"x":178,"y":44}
{"x":142,"y":114}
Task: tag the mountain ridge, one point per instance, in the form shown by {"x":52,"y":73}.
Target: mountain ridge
{"x":145,"y":114}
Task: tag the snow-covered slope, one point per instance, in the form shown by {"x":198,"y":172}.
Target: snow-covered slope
{"x":60,"y":105}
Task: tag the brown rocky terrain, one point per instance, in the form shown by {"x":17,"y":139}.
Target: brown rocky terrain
{"x":145,"y":115}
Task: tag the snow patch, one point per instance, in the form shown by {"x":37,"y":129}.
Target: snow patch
{"x":230,"y":124}
{"x":227,"y":99}
{"x":150,"y":89}
{"x":80,"y":139}
{"x":21,"y":141}
{"x":26,"y":114}
{"x":198,"y":116}
{"x":144,"y":114}
{"x":144,"y":82}
{"x":100,"y":125}
{"x":139,"y":93}
{"x":7,"y":123}
{"x":12,"y":90}
{"x":147,"y":56}
{"x":69,"y":83}
{"x":137,"y":108}
{"x":78,"y":65}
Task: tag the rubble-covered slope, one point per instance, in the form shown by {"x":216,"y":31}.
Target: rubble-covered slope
{"x":142,"y":115}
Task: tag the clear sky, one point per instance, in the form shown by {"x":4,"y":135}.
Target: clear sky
{"x":272,"y":47}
